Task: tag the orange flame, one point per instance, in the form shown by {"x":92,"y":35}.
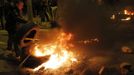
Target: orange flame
{"x":126,"y":12}
{"x":59,"y":54}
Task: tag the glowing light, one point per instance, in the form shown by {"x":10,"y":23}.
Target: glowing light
{"x":112,"y":17}
{"x":126,"y":49}
{"x":126,"y":19}
{"x":59,"y":54}
{"x":89,"y":41}
{"x":126,"y":12}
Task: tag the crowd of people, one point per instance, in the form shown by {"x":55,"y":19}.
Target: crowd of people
{"x":43,"y":8}
{"x":12,"y":11}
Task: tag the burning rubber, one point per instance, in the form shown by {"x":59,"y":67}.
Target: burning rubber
{"x":58,"y":51}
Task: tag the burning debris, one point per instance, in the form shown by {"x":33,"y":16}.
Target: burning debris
{"x":130,"y":13}
{"x":127,"y":50}
{"x":58,"y":53}
{"x":126,"y":19}
{"x":91,"y":41}
{"x":125,"y":15}
{"x":113,"y":17}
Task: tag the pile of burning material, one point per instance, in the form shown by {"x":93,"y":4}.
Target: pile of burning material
{"x":58,"y":53}
{"x":127,"y":50}
{"x":83,"y":66}
{"x":129,"y":14}
{"x":57,"y":57}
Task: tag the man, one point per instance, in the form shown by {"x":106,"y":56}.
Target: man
{"x":13,"y":18}
{"x":44,"y":9}
{"x":1,"y":13}
{"x":53,"y":9}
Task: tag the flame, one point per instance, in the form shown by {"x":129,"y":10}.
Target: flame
{"x":89,"y":41}
{"x":126,"y":19}
{"x":59,"y":53}
{"x":113,"y":17}
{"x":126,"y":12}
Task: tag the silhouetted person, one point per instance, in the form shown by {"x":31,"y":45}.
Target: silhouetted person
{"x":36,"y":4}
{"x":44,"y":10}
{"x":1,"y":13}
{"x":53,"y":8}
{"x":13,"y":18}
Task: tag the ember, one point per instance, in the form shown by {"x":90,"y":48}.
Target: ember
{"x":59,"y":52}
{"x":126,"y":12}
{"x":126,"y":19}
{"x":112,"y":17}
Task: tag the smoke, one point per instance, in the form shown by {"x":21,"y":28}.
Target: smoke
{"x":86,"y":19}
{"x":83,"y":18}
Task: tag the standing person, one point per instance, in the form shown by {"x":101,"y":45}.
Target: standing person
{"x":36,"y":4}
{"x":44,"y":9}
{"x":2,"y":13}
{"x":53,"y":8}
{"x":13,"y":18}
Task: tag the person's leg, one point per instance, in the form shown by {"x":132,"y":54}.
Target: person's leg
{"x":49,"y":9}
{"x":10,"y":40}
{"x":42,"y":16}
{"x":47,"y":18}
{"x":16,"y":47}
{"x":2,"y":24}
{"x":23,"y":52}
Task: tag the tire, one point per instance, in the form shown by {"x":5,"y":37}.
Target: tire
{"x":29,"y":30}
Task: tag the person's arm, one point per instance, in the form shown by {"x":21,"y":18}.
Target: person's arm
{"x":20,"y":20}
{"x":18,"y":17}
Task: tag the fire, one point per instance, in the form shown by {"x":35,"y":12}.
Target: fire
{"x":126,"y":12}
{"x":60,"y":55}
{"x":126,"y":19}
{"x":113,"y":17}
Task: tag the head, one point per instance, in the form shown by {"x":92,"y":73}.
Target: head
{"x":19,"y":5}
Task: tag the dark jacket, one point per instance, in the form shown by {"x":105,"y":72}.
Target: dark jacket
{"x":12,"y":17}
